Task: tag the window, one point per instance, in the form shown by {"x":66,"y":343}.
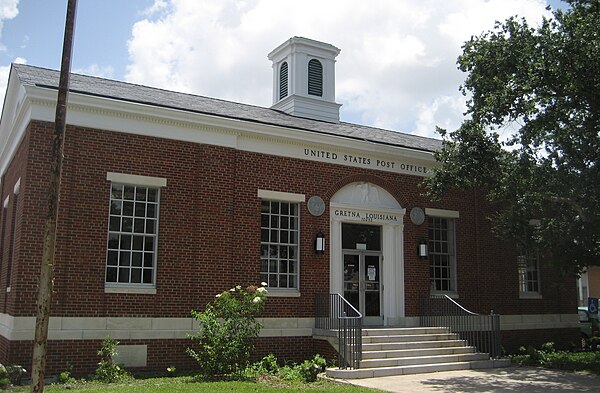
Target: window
{"x":13,"y":231}
{"x":132,"y":235}
{"x":279,"y":244}
{"x":3,"y":231}
{"x":283,"y":80}
{"x":442,"y":256}
{"x":315,"y":78}
{"x":529,"y":273}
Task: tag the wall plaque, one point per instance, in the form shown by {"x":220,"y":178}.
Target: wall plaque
{"x":315,"y":205}
{"x":417,"y":216}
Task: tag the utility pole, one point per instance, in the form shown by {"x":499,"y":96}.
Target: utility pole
{"x":40,"y":345}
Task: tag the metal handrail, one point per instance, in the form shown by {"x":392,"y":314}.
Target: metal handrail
{"x":480,"y":331}
{"x":333,"y":312}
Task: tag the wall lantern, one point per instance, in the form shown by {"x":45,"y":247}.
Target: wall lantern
{"x":320,"y":243}
{"x":422,"y":250}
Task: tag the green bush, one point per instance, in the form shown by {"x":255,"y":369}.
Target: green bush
{"x":108,"y":371}
{"x":548,"y":357}
{"x":226,"y":329}
{"x":309,"y":369}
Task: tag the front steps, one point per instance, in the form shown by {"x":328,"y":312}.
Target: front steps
{"x":403,"y":351}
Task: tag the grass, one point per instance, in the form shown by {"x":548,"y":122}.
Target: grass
{"x":188,"y":385}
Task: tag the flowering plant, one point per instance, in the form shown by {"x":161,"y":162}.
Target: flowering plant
{"x":226,"y":328}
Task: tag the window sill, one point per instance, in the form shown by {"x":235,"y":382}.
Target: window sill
{"x":275,"y":293}
{"x":451,"y":294}
{"x":133,"y":290}
{"x":530,"y":295}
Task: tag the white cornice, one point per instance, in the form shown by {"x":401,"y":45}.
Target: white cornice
{"x":142,"y":119}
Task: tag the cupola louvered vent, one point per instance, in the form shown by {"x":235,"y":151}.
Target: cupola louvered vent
{"x":315,"y":78}
{"x":283,"y":80}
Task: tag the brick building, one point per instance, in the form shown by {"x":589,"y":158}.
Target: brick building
{"x":169,"y":198}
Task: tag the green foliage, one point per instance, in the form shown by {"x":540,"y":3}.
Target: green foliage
{"x":547,"y":356}
{"x":226,"y":329}
{"x":268,"y":369}
{"x":65,"y":376}
{"x":309,"y":369}
{"x":108,"y":371}
{"x":11,"y":375}
{"x":543,"y":83}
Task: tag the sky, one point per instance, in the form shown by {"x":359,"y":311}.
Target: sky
{"x":396,"y":70}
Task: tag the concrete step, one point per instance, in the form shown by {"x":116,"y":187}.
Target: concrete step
{"x":409,"y":361}
{"x":415,"y":369}
{"x":393,"y":346}
{"x":403,"y":331}
{"x":408,"y":338}
{"x":417,"y":352}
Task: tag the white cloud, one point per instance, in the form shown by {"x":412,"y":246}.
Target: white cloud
{"x":8,"y":10}
{"x":4,"y":72}
{"x":397,"y":67}
{"x":96,"y":70}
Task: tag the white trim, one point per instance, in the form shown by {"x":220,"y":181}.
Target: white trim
{"x":450,"y":294}
{"x":6,"y":201}
{"x":442,"y":213}
{"x":281,"y":196}
{"x":17,"y":187}
{"x":136,"y":180}
{"x":391,"y":221}
{"x":132,"y":328}
{"x":38,"y":103}
{"x":282,"y":293}
{"x":115,"y":289}
{"x":530,"y":295}
{"x":124,"y":328}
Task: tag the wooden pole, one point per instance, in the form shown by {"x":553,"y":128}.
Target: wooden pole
{"x":40,"y":345}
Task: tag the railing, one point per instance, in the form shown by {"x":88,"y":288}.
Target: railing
{"x":335,"y":313}
{"x":480,"y":331}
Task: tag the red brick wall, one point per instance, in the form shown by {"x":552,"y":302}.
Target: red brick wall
{"x":209,"y":233}
{"x":567,"y":339}
{"x":82,"y":355}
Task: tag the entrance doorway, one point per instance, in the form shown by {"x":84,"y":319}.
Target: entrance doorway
{"x":362,"y":270}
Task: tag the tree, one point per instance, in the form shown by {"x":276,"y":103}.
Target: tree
{"x":544,"y":179}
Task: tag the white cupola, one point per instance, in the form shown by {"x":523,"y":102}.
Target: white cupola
{"x":304,"y":79}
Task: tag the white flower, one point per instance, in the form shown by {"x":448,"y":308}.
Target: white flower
{"x":232,"y":290}
{"x":256,"y":300}
{"x":238,"y":287}
{"x":264,"y":284}
{"x":261,"y":290}
{"x":218,"y":295}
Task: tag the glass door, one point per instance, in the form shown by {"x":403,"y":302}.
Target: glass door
{"x":362,"y":284}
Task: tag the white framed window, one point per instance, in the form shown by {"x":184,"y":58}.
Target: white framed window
{"x":528,"y":266}
{"x":132,"y":235}
{"x":279,"y":244}
{"x":442,"y":254}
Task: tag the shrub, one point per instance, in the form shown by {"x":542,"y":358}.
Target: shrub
{"x":226,"y":329}
{"x":108,"y":371}
{"x":547,"y":356}
{"x":65,"y":376}
{"x":309,"y":369}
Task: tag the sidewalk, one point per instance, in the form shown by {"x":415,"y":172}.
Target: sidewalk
{"x":510,"y":379}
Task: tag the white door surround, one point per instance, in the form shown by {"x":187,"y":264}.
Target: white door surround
{"x":367,"y":203}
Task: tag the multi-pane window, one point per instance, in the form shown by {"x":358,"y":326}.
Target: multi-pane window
{"x":132,"y":234}
{"x":279,"y":244}
{"x":529,"y":272}
{"x":442,"y":256}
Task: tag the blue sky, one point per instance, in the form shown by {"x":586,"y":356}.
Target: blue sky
{"x":396,"y":70}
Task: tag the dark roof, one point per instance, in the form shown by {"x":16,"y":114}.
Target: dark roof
{"x":100,"y":87}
